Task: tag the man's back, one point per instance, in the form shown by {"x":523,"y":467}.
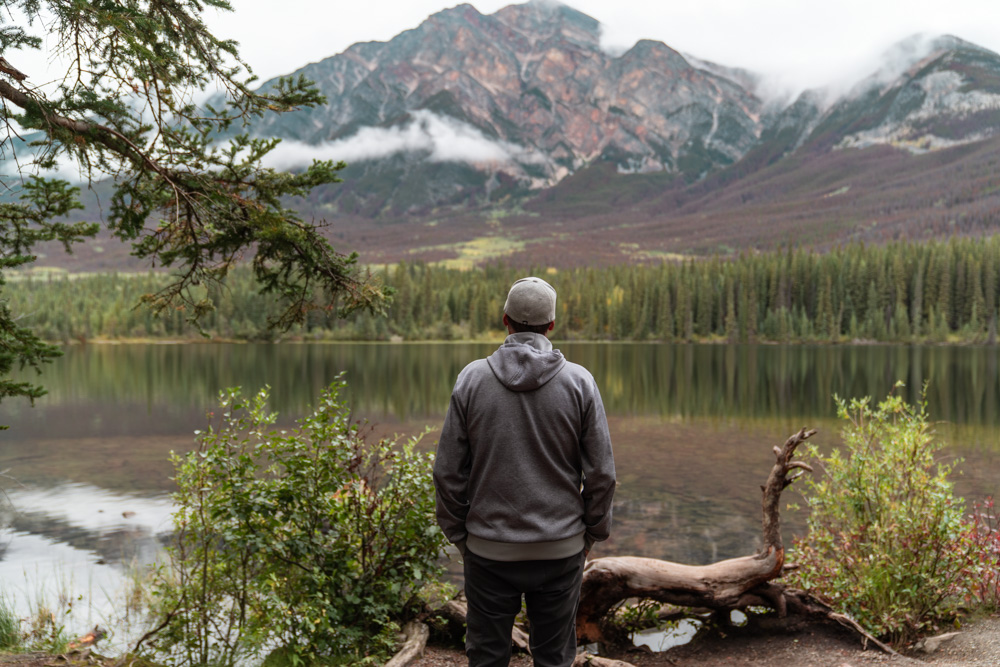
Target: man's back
{"x":525,"y":478}
{"x":535,"y":428}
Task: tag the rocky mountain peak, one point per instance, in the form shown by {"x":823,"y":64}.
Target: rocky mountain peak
{"x":931,"y":92}
{"x":518,"y":100}
{"x":649,"y":51}
{"x":545,"y":19}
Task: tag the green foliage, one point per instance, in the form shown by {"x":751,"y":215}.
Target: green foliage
{"x":312,"y":540}
{"x":22,"y":225}
{"x":638,"y":615}
{"x":190,"y":192}
{"x":887,"y":541}
{"x":42,"y":630}
{"x":46,"y":633}
{"x":11,"y":637}
{"x":985,"y":571}
{"x":903,"y":292}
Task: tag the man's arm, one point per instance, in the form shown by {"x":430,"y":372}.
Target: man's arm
{"x":451,"y":475}
{"x":598,"y":470}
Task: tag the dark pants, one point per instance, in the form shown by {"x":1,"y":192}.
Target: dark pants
{"x":551,"y":591}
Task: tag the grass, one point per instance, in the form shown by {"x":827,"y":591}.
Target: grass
{"x":475,"y":252}
{"x":53,"y":618}
{"x":42,"y":273}
{"x":501,"y":213}
{"x":659,"y":255}
{"x":11,"y":638}
{"x":40,"y":631}
{"x":46,"y":633}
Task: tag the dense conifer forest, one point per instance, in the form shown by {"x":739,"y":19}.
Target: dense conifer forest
{"x":900,"y":292}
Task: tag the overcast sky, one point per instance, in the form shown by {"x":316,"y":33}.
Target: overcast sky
{"x":797,"y":44}
{"x":803,"y":43}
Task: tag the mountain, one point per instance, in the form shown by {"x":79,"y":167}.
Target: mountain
{"x":515,"y":135}
{"x":532,"y":95}
{"x":949,"y":96}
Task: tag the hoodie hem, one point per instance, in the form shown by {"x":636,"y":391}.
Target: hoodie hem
{"x":518,"y":551}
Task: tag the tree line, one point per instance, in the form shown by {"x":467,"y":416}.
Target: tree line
{"x":940,"y":291}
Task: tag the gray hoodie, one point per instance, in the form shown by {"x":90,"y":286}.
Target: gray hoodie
{"x":524,"y":466}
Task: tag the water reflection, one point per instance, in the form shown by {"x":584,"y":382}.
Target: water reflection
{"x":114,"y":527}
{"x":693,"y":427}
{"x":414,"y":380}
{"x":68,"y":549}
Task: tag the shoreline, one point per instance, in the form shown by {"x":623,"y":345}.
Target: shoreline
{"x":299,"y":340}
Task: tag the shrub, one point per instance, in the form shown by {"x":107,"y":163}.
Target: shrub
{"x":887,"y":541}
{"x":984,"y":572}
{"x":312,"y":541}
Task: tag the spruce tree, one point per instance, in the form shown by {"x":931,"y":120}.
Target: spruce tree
{"x":731,"y":322}
{"x":189,"y":191}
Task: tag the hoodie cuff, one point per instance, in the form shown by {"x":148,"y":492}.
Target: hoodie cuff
{"x":460,"y":545}
{"x":588,"y":542}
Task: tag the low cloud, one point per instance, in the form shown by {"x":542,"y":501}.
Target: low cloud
{"x":18,"y":163}
{"x":877,"y":68}
{"x":441,"y":139}
{"x":904,"y":54}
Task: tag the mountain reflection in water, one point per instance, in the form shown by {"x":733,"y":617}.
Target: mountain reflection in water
{"x":692,"y":425}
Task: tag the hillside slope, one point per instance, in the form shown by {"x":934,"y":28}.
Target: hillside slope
{"x":473,"y":137}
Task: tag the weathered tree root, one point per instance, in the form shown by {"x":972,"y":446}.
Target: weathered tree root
{"x":721,"y":587}
{"x":416,"y":634}
{"x":730,"y":584}
{"x":586,"y":659}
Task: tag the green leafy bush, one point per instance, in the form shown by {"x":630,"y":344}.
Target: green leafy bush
{"x":309,"y":543}
{"x":887,"y":540}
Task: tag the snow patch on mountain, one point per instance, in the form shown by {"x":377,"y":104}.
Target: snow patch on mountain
{"x":945,"y":94}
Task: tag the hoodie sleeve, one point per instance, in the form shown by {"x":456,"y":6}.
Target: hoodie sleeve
{"x":598,"y":470}
{"x":451,"y":473}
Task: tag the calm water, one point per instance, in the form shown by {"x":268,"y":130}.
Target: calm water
{"x":692,"y":426}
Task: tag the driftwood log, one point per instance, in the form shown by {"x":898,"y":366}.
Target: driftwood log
{"x":721,"y":587}
{"x":730,"y":584}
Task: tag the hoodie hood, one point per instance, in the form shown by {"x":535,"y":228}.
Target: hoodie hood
{"x":526,"y":361}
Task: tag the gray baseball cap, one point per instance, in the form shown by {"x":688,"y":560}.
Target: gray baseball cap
{"x":531,"y":301}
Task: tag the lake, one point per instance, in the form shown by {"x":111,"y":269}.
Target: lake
{"x":693,"y":426}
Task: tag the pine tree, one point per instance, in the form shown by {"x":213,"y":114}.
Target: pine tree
{"x":704,"y":301}
{"x":124,"y":114}
{"x":977,"y":313}
{"x":962,"y":311}
{"x":874,"y":325}
{"x":990,"y":276}
{"x":825,"y":325}
{"x":944,"y":296}
{"x":731,"y":321}
{"x":684,"y":317}
{"x":665,"y":314}
{"x":917,"y":303}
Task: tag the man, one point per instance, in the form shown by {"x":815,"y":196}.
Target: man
{"x":525,"y":478}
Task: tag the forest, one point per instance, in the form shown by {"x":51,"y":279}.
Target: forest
{"x":937,"y":291}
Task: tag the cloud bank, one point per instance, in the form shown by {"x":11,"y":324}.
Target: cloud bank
{"x":441,"y":139}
